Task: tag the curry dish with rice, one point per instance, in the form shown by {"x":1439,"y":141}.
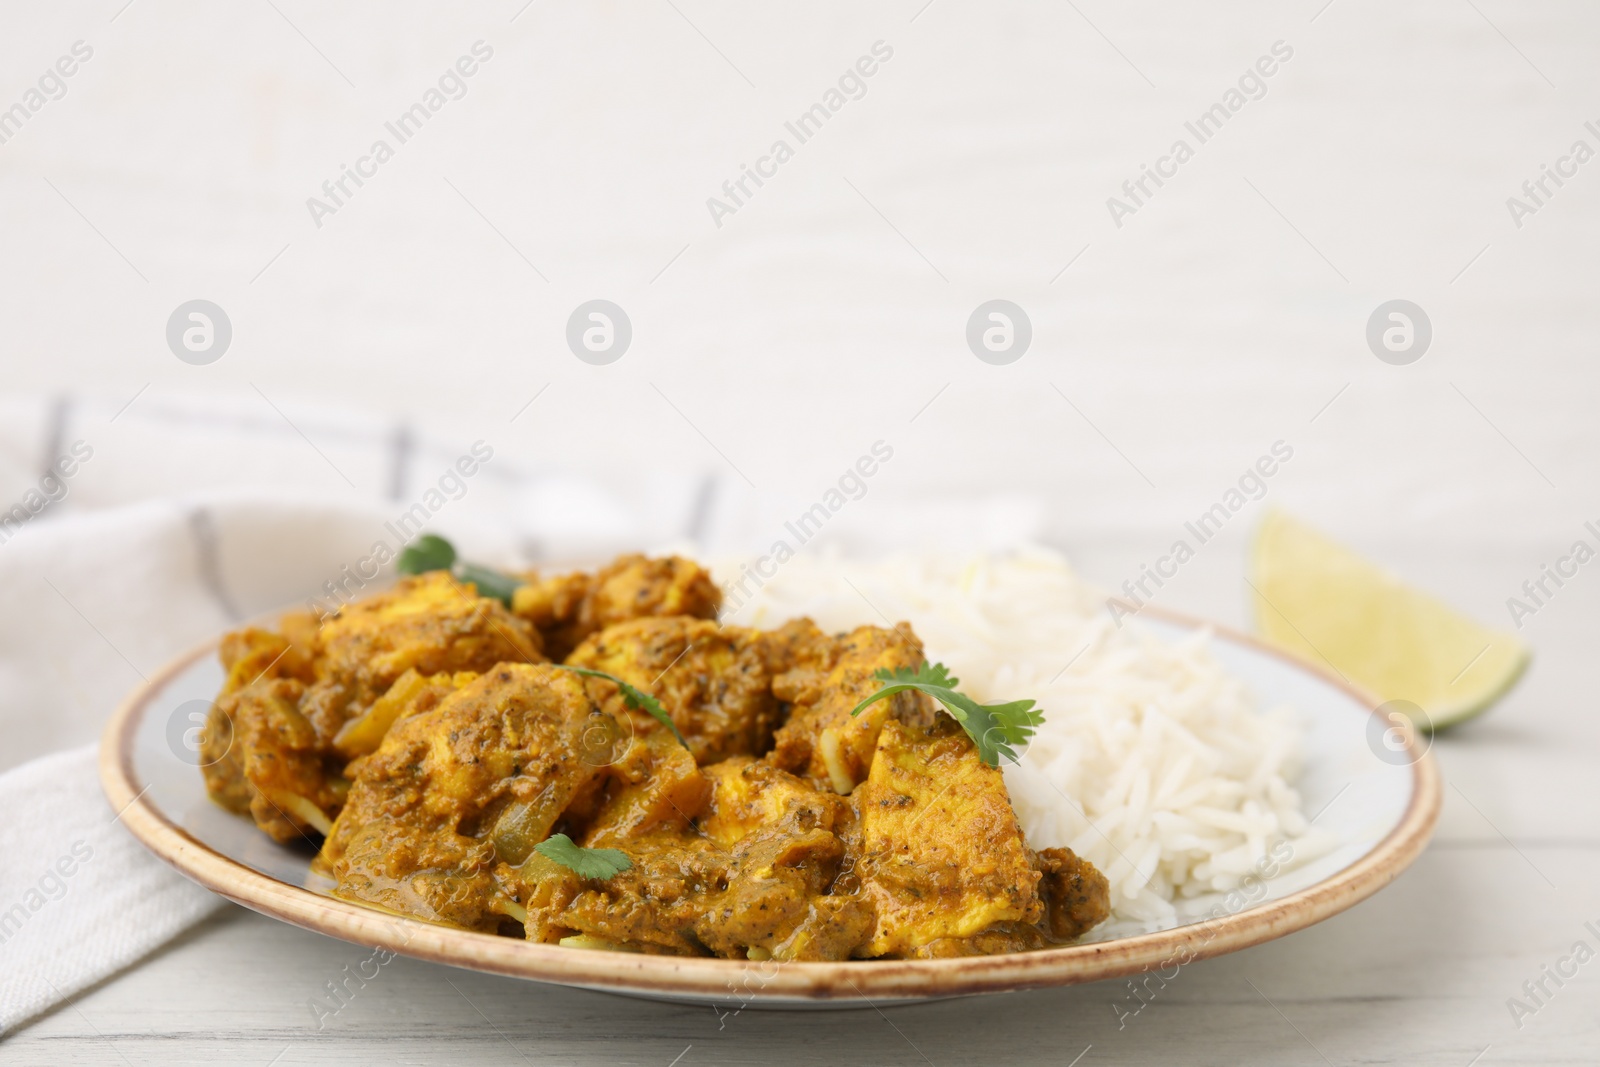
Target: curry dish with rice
{"x":593,"y":760}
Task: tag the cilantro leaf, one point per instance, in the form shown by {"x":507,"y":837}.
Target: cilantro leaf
{"x":490,"y":583}
{"x":597,"y":863}
{"x":996,"y":728}
{"x":634,"y":697}
{"x":430,"y":552}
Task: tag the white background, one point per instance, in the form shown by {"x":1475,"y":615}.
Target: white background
{"x":805,"y":327}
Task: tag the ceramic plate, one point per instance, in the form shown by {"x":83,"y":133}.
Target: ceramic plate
{"x":1378,"y":796}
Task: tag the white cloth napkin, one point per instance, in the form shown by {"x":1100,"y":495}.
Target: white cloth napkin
{"x":82,"y":898}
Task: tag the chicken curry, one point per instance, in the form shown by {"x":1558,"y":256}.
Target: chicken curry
{"x":448,"y":753}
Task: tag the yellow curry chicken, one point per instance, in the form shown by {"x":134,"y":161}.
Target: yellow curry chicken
{"x":428,"y":740}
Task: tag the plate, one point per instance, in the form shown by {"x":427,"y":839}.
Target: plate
{"x":1375,"y":790}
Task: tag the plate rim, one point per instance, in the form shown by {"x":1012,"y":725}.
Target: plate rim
{"x":748,"y":982}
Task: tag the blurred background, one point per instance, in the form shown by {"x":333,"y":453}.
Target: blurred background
{"x":774,"y":342}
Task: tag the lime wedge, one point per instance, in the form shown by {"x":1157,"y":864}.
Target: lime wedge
{"x":1325,"y":604}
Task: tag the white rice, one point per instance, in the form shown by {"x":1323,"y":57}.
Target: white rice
{"x":1153,"y":763}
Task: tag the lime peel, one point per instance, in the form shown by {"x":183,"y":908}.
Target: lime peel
{"x":1325,"y":604}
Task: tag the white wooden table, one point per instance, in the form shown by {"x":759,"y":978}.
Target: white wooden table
{"x":1420,"y":974}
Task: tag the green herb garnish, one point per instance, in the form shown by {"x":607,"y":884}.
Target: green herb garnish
{"x":597,"y":863}
{"x":490,"y":583}
{"x":995,"y":727}
{"x":430,"y":552}
{"x":634,"y":697}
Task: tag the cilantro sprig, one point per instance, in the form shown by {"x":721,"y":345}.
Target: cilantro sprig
{"x":430,"y":552}
{"x":996,"y":728}
{"x":633,"y":696}
{"x":596,"y":863}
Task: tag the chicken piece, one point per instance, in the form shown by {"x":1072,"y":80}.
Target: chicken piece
{"x":296,"y":706}
{"x":1077,"y":897}
{"x":938,"y":850}
{"x":821,"y":739}
{"x":430,"y":623}
{"x":411,"y":694}
{"x":712,"y":680}
{"x":785,"y":857}
{"x":568,"y":608}
{"x":455,"y":792}
{"x":535,"y":893}
{"x":750,"y":880}
{"x":1001,"y":937}
{"x":656,"y":785}
{"x":249,"y":656}
{"x":651,"y":907}
{"x":258,"y":755}
{"x":650,"y":795}
{"x":797,"y":643}
{"x":749,"y":794}
{"x":271,"y":764}
{"x":685,"y":896}
{"x":221,"y":762}
{"x":647,"y":798}
{"x":635,"y":586}
{"x":775,"y":905}
{"x":555,"y":606}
